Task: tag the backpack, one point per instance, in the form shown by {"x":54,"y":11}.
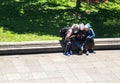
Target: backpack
{"x":63,"y":31}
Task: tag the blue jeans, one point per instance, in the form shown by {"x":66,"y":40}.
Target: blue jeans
{"x":77,"y":43}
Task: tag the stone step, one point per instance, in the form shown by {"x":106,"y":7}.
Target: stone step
{"x":51,"y":46}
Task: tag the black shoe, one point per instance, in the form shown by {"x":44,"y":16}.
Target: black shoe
{"x":80,"y":52}
{"x":91,"y":51}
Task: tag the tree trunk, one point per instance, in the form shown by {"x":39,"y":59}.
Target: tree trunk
{"x":78,"y":3}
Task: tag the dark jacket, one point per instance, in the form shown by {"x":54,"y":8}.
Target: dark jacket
{"x":90,"y":33}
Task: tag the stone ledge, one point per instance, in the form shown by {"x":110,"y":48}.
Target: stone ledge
{"x":52,"y":46}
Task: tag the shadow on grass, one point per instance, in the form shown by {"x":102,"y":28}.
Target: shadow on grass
{"x":47,"y":18}
{"x":34,"y":18}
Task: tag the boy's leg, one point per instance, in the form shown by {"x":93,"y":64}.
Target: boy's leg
{"x":67,"y":48}
{"x":86,"y":45}
{"x":79,"y":46}
{"x":92,"y":44}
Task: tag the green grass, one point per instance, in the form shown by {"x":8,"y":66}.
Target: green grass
{"x":34,"y":20}
{"x":7,"y":36}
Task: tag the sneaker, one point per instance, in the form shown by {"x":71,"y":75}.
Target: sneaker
{"x":80,"y":52}
{"x":66,"y":53}
{"x":92,"y":51}
{"x":70,"y":52}
{"x":87,"y":52}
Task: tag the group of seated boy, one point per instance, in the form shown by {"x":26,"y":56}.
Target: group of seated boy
{"x":79,"y":35}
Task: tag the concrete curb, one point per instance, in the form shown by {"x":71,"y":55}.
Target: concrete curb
{"x":51,"y":46}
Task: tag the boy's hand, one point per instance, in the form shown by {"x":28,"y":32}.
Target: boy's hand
{"x":88,"y":37}
{"x":72,"y":36}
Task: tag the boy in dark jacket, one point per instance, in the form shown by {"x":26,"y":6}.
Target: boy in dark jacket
{"x":71,"y":33}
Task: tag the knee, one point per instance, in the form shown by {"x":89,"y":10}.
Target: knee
{"x":69,"y":43}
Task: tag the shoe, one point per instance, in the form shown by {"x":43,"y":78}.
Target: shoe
{"x":91,"y":51}
{"x":66,"y":53}
{"x":70,"y":52}
{"x":87,"y":52}
{"x":80,"y":52}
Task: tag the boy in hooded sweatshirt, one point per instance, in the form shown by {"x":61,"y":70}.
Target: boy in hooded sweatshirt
{"x":89,"y":39}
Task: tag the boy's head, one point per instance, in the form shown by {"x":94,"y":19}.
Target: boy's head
{"x":81,"y":26}
{"x":75,"y":28}
{"x":87,"y":27}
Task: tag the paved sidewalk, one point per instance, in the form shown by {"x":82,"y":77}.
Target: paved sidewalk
{"x":102,"y":67}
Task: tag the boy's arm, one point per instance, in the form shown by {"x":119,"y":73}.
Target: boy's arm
{"x":93,"y":34}
{"x":68,"y":34}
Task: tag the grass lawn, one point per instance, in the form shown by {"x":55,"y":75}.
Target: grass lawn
{"x":34,"y":20}
{"x":8,"y":36}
